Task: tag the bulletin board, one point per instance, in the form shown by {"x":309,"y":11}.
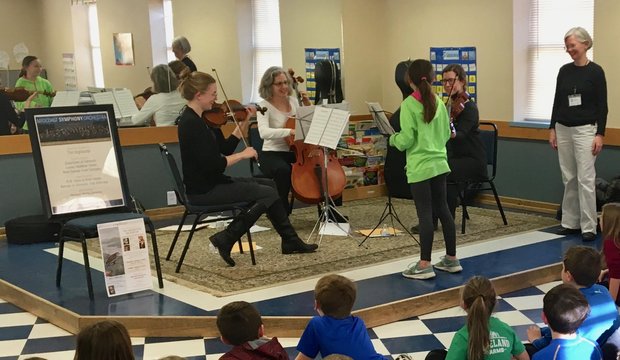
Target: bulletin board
{"x":466,"y":56}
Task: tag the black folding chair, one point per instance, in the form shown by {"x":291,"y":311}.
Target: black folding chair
{"x":488,"y":136}
{"x":199,"y":211}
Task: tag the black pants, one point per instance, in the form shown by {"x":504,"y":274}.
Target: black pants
{"x":429,"y":197}
{"x":240,"y":190}
{"x":277,"y":165}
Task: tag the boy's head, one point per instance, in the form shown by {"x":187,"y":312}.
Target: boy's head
{"x":582,"y":265}
{"x":565,"y":308}
{"x":239,"y":322}
{"x":335,"y":295}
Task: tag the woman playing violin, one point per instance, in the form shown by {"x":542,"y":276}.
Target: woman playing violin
{"x":466,"y":155}
{"x":30,"y":80}
{"x":164,"y":106}
{"x":206,"y":154}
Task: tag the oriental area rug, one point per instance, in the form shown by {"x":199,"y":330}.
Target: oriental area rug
{"x":206,"y":271}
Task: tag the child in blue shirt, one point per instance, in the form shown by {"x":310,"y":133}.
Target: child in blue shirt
{"x":581,"y":269}
{"x":564,"y":310}
{"x":335,"y":331}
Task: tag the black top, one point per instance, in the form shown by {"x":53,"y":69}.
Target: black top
{"x":394,"y":168}
{"x":190,"y":64}
{"x":467,"y":143}
{"x":589,"y":81}
{"x":7,"y":114}
{"x":203,"y":151}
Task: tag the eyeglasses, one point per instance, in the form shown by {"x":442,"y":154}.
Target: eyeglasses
{"x":448,"y":81}
{"x":280,"y":83}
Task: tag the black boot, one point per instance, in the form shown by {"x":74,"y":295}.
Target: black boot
{"x":226,"y":239}
{"x":291,"y":243}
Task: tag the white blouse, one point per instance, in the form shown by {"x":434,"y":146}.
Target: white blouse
{"x":164,"y":108}
{"x":271,"y":125}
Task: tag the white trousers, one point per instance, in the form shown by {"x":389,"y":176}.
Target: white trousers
{"x":578,"y":176}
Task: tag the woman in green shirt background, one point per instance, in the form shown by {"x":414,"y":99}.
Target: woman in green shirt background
{"x":30,"y":79}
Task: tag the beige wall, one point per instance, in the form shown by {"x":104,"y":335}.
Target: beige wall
{"x":21,"y":24}
{"x":373,"y":35}
{"x":56,"y":15}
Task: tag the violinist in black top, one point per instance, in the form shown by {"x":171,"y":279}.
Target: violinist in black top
{"x":206,"y":154}
{"x":466,"y":155}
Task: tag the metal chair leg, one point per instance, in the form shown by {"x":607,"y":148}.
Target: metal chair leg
{"x":498,"y":202}
{"x":187,"y":242}
{"x":176,"y":235}
{"x":61,"y":248}
{"x":89,"y":279}
{"x":151,"y":228}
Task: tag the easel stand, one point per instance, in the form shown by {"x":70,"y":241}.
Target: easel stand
{"x":328,"y":208}
{"x":389,"y":212}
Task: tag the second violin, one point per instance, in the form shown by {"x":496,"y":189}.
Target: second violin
{"x":226,"y":111}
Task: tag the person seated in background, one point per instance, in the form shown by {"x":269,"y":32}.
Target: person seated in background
{"x":240,"y":325}
{"x":180,"y":48}
{"x":564,"y":310}
{"x":335,"y":330}
{"x":105,"y":340}
{"x":179,"y":69}
{"x":581,"y":269}
{"x":30,"y":79}
{"x":163,"y":107}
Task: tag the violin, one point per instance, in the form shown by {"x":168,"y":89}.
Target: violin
{"x":457,"y":104}
{"x":219,"y":114}
{"x":21,"y":94}
{"x":310,"y":177}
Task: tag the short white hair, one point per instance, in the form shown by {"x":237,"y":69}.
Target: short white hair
{"x":182,"y":43}
{"x":581,"y":35}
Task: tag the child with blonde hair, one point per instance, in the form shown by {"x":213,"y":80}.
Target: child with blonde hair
{"x":484,"y":337}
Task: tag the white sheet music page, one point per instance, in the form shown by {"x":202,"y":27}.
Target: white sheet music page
{"x":327,"y":126}
{"x":303,"y":121}
{"x":126,"y":103}
{"x":66,"y":98}
{"x":381,"y":120}
{"x":107,"y":98}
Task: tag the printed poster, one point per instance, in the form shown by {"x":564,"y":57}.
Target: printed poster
{"x":466,"y":56}
{"x":125,"y":257}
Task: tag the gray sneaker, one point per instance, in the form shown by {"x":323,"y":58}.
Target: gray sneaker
{"x":451,"y":266}
{"x":414,"y":272}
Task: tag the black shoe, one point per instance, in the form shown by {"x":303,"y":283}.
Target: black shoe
{"x":588,"y":236}
{"x":297,"y":246}
{"x":224,"y":245}
{"x":567,"y":231}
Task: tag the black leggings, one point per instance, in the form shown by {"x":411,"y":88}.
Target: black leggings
{"x":239,"y":190}
{"x":429,"y":197}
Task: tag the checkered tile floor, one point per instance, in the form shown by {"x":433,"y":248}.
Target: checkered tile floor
{"x":23,"y":335}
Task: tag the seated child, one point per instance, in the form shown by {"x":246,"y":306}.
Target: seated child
{"x":564,"y":310}
{"x":581,"y":269}
{"x":484,"y":336}
{"x":335,"y":331}
{"x":240,"y":325}
{"x":106,"y":339}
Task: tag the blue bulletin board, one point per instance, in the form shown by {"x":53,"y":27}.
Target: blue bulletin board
{"x":314,"y":55}
{"x":466,"y":56}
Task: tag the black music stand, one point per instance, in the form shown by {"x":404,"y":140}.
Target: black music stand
{"x":386,"y":129}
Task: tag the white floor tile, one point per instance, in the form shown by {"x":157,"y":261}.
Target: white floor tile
{"x":548,"y":286}
{"x":401,"y":328}
{"x":288,"y":342}
{"x":213,"y":356}
{"x":526,"y":302}
{"x":182,"y":348}
{"x":379,"y":347}
{"x":137,"y":341}
{"x":12,"y":347}
{"x":46,"y":331}
{"x":445,"y":338}
{"x":513,"y":318}
{"x":418,"y":355}
{"x":17,"y":319}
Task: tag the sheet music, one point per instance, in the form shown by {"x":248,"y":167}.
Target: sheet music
{"x":378,"y":115}
{"x":125,"y":102}
{"x":107,"y":98}
{"x":303,"y":121}
{"x":327,"y":126}
{"x":66,"y":98}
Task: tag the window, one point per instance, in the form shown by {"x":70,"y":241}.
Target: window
{"x":548,"y":22}
{"x":266,"y":42}
{"x":95,"y":45}
{"x":169,"y":29}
